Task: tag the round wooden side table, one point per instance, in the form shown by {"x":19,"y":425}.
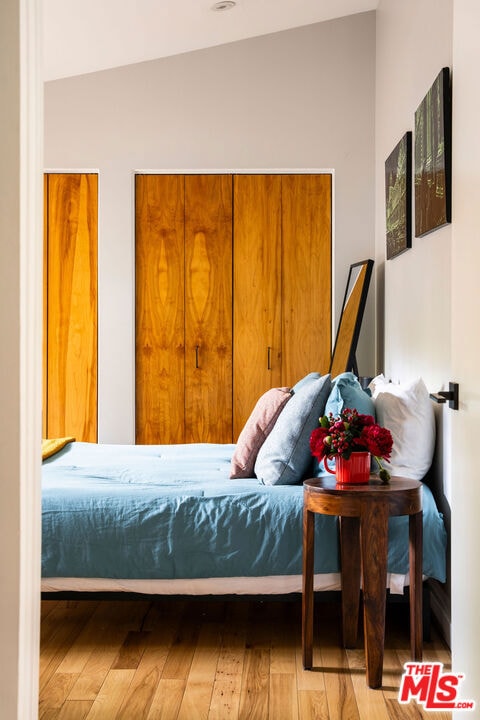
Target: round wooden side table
{"x":363,"y":511}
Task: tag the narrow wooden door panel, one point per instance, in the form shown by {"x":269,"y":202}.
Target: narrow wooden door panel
{"x":306,"y":280}
{"x":72,"y":306}
{"x":208,"y":308}
{"x":45,"y":312}
{"x":257,"y":291}
{"x":159,"y":262}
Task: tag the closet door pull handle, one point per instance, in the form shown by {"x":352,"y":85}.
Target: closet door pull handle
{"x":197,"y":350}
{"x":269,"y":358}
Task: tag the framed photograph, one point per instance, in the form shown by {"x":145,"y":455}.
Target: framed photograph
{"x":433,"y":167}
{"x":398,"y":197}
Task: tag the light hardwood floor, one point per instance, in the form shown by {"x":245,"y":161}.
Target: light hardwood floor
{"x":189,"y":659}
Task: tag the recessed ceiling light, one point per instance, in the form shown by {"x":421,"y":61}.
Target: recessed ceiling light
{"x":223,"y":5}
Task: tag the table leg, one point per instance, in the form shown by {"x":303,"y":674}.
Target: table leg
{"x":374,"y":541}
{"x":307,"y":594}
{"x":415,"y":558}
{"x":350,"y":559}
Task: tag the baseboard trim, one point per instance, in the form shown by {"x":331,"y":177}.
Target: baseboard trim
{"x":441,"y":609}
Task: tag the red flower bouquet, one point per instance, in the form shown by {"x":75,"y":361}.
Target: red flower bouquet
{"x":352,"y":432}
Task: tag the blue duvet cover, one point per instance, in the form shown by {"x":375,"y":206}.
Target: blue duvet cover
{"x":171,"y":511}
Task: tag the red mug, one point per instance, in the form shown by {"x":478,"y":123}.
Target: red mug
{"x":354,"y":471}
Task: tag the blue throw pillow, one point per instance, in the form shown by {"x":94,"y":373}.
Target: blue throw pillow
{"x":285,"y":456}
{"x":306,"y":381}
{"x":347,"y":392}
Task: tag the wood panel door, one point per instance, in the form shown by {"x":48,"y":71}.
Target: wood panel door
{"x":160,"y":309}
{"x":183,"y":308}
{"x":45,"y":312}
{"x":281,"y":294}
{"x":257,"y":291}
{"x":208,"y":308}
{"x":306,"y":275}
{"x":282,"y":283}
{"x":70,"y":306}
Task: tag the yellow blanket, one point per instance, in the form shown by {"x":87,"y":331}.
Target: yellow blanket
{"x":50,"y":447}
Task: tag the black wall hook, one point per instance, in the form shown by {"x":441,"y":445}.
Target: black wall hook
{"x":451,"y":395}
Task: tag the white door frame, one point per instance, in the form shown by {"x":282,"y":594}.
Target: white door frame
{"x":21,"y":262}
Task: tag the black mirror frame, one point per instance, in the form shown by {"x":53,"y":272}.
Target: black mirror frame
{"x":351,"y":343}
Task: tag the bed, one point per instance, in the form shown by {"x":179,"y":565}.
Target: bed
{"x":170,"y":519}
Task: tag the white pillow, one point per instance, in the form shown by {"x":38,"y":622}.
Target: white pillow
{"x":406,"y":410}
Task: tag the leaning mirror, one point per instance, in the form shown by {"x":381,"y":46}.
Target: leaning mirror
{"x":343,"y":357}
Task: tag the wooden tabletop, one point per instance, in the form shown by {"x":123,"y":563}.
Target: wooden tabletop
{"x":396,"y":484}
{"x":403,"y":495}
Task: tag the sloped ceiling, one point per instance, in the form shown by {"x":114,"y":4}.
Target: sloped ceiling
{"x":83,"y":36}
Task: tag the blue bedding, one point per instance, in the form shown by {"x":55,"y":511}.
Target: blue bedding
{"x":171,"y":511}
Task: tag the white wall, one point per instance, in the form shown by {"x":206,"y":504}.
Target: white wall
{"x":414,"y":41}
{"x":297,"y":99}
{"x":432,"y":302}
{"x":20,"y":363}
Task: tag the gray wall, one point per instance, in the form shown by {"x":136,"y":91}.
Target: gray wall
{"x":292,"y":100}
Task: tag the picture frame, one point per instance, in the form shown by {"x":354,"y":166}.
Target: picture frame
{"x":433,"y":168}
{"x":398,"y":197}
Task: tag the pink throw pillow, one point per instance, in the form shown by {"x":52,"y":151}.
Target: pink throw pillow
{"x":256,"y":429}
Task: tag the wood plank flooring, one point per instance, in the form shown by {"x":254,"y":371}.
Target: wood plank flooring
{"x":214,"y":659}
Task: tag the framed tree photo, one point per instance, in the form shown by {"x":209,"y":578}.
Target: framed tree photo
{"x":398,"y":197}
{"x":433,"y":141}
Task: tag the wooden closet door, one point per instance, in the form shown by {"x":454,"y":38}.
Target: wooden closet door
{"x":45,"y":312}
{"x":71,"y":305}
{"x":257,"y":291}
{"x":160,"y":315}
{"x":306,"y":276}
{"x":208,"y":308}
